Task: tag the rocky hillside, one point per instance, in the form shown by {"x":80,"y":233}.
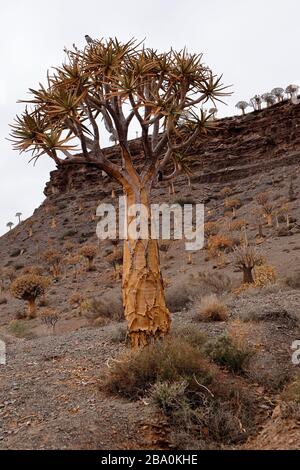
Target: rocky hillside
{"x":246,"y":156}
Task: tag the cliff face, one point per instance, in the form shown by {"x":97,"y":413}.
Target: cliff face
{"x":239,"y":147}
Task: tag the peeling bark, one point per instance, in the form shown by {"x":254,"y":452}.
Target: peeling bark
{"x":143,"y":290}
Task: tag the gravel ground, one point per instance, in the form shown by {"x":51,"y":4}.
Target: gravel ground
{"x":50,"y":396}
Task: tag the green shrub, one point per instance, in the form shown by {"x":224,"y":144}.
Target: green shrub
{"x":226,"y":353}
{"x":191,"y":334}
{"x":19,"y":328}
{"x":169,"y":360}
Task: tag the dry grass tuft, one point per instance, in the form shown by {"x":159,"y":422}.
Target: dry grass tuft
{"x":212,"y":309}
{"x":293,"y":280}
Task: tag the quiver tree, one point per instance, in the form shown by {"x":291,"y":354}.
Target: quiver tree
{"x":279,"y":93}
{"x":233,"y":205}
{"x":109,"y":87}
{"x":53,"y":258}
{"x":285,"y":211}
{"x":256,"y":102}
{"x":73,"y":260}
{"x":49,"y":317}
{"x":269,"y":99}
{"x":10,"y":225}
{"x":246,"y":258}
{"x":292,"y":92}
{"x":242,"y":105}
{"x":18,"y":215}
{"x":89,"y":252}
{"x":213,"y":112}
{"x":267,"y":207}
{"x":29,"y":287}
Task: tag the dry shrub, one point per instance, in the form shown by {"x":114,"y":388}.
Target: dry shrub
{"x":290,"y":410}
{"x":75,"y":299}
{"x":211,"y":228}
{"x":37,"y":270}
{"x":100,"y":322}
{"x":181,"y":295}
{"x":219,"y":243}
{"x":293,"y":280}
{"x":119,"y":334}
{"x":217,"y":282}
{"x":108,"y":306}
{"x":212,"y":309}
{"x":7,"y":274}
{"x":236,"y":225}
{"x":233,"y":204}
{"x":69,"y":247}
{"x":291,"y":392}
{"x":262,"y":198}
{"x":265,"y":370}
{"x":194,"y":396}
{"x":243,"y":333}
{"x":264,"y":275}
{"x":226,"y":191}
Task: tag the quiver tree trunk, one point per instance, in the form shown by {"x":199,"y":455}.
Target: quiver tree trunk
{"x":269,"y":220}
{"x":31,"y":308}
{"x":248,"y":275}
{"x":143,"y":290}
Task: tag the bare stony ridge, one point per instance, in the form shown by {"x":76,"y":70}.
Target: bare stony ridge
{"x":50,"y":393}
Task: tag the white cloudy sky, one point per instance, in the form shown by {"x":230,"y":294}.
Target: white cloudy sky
{"x":254,"y":43}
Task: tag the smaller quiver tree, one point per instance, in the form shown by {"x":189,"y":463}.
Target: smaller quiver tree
{"x":29,"y":287}
{"x":49,"y":317}
{"x":89,"y":252}
{"x":53,"y":259}
{"x":267,"y":207}
{"x":246,"y":258}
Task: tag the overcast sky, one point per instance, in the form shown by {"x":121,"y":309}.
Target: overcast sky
{"x":254,"y":43}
